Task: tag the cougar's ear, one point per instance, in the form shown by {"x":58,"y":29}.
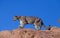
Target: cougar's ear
{"x":15,"y":16}
{"x":19,"y":16}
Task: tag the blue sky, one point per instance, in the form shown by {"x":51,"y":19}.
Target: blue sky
{"x":47,"y":10}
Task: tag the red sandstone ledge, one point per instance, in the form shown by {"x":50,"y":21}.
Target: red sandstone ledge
{"x":31,"y":33}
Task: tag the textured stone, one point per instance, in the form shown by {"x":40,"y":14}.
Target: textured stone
{"x":30,"y":33}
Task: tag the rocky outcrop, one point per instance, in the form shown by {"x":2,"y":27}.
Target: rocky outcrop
{"x":30,"y":33}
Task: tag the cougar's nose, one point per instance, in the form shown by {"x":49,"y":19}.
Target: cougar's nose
{"x":14,"y":20}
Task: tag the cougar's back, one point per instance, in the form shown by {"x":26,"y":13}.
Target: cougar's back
{"x":31,"y":19}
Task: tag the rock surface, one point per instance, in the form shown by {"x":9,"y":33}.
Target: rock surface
{"x":30,"y":33}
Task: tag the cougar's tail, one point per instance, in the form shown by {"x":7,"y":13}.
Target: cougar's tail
{"x":43,"y":25}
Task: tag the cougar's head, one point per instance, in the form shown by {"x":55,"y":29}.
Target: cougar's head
{"x":15,"y":18}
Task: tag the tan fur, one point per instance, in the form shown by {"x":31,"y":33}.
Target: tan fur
{"x":38,"y":23}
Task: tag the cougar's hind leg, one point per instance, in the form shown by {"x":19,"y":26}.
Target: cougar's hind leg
{"x":37,"y":27}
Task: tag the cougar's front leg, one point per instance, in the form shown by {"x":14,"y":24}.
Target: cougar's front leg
{"x":22,"y":23}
